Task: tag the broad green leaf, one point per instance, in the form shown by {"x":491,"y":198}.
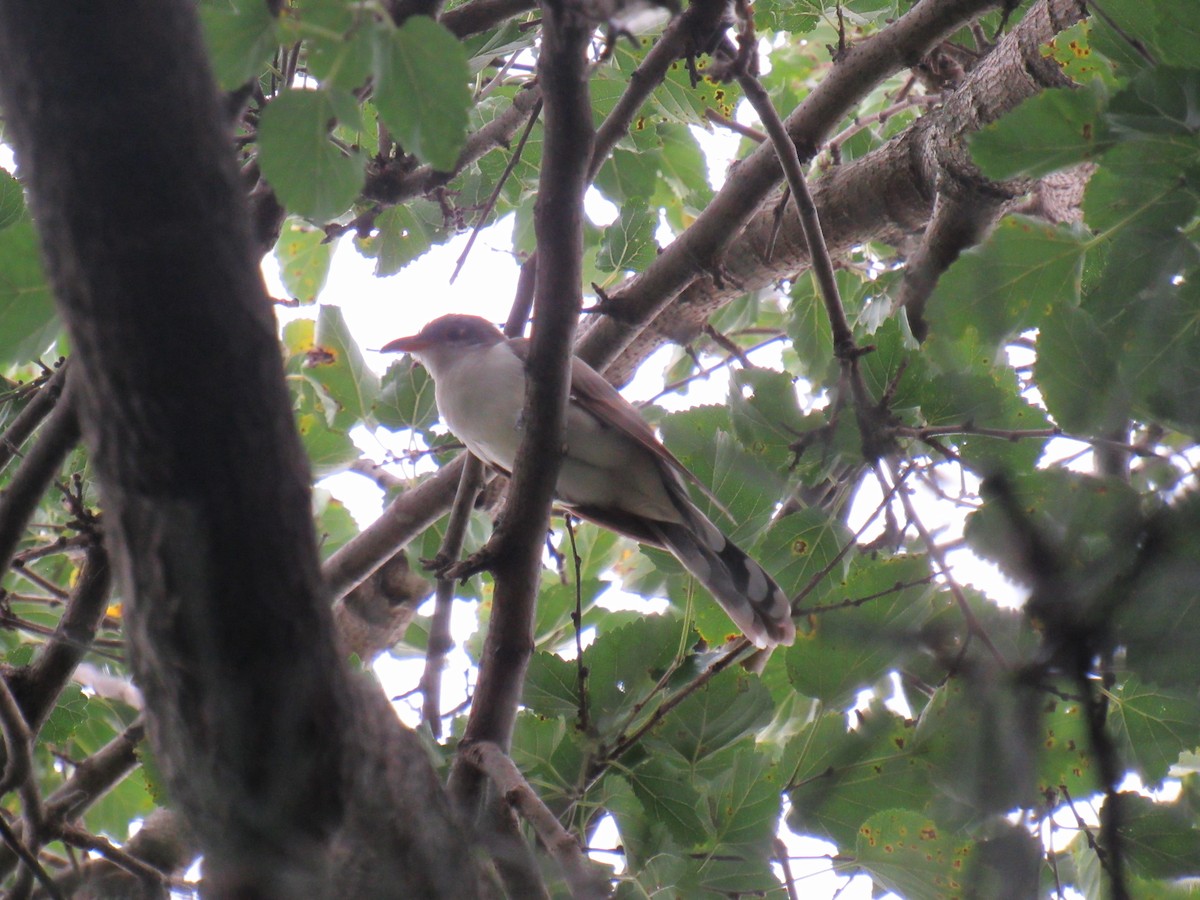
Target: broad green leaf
{"x":625,"y":663}
{"x":1160,"y":364}
{"x":70,"y":711}
{"x":1086,"y":531}
{"x":1049,"y":131}
{"x":1160,"y":840}
{"x":28,"y":323}
{"x":313,"y":177}
{"x":338,"y":38}
{"x":421,"y":89}
{"x":843,"y":777}
{"x":847,"y":649}
{"x":1004,"y":286}
{"x":405,"y":398}
{"x":628,"y":176}
{"x":547,"y":752}
{"x":799,"y":547}
{"x":1158,"y":621}
{"x":980,"y":735}
{"x":985,"y":399}
{"x":403,"y":233}
{"x":241,"y":36}
{"x":335,"y":525}
{"x":906,"y":852}
{"x":12,"y":200}
{"x":1075,"y":370}
{"x":765,"y":413}
{"x":1154,"y":725}
{"x":337,"y":363}
{"x":304,"y":256}
{"x":745,"y":802}
{"x":730,"y":707}
{"x":629,"y":243}
{"x":329,"y":449}
{"x":552,"y":686}
{"x":668,"y":798}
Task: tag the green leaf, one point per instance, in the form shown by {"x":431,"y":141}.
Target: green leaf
{"x":910,"y":854}
{"x":329,"y":449}
{"x":625,"y":663}
{"x":850,"y":649}
{"x":12,"y":200}
{"x":405,"y":398}
{"x":312,"y":176}
{"x":799,"y":547}
{"x":842,"y":777}
{"x":628,"y":243}
{"x":304,"y":256}
{"x":1160,"y":840}
{"x":1154,"y":725}
{"x":337,"y":363}
{"x":1004,"y":286}
{"x":1160,"y":364}
{"x":69,"y":713}
{"x":668,"y":798}
{"x":547,"y":752}
{"x":338,"y":39}
{"x":241,"y":36}
{"x":1049,"y":131}
{"x":28,"y":323}
{"x":552,"y":686}
{"x":765,"y":413}
{"x":335,"y":525}
{"x":1159,"y":621}
{"x":745,"y":802}
{"x":403,"y":233}
{"x":729,"y":707}
{"x":421,"y":89}
{"x":1076,"y":370}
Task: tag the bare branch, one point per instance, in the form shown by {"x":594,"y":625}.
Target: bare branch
{"x":57,"y":436}
{"x":515,"y":548}
{"x":28,"y":419}
{"x":583,"y":879}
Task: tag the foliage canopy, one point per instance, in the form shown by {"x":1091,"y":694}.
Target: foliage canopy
{"x":1047,"y":422}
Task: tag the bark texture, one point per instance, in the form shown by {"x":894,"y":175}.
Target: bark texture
{"x":293,"y":773}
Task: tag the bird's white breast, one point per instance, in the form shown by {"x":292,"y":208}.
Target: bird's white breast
{"x":481,"y":395}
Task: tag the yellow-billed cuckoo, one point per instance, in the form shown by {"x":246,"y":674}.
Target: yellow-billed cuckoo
{"x":615,"y":472}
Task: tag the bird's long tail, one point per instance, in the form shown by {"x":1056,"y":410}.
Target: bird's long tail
{"x":745,"y":591}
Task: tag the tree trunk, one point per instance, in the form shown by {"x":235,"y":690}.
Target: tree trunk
{"x":292,"y":772}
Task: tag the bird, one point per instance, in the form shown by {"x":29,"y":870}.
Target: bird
{"x":615,"y":471}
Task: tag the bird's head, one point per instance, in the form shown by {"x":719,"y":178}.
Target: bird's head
{"x":446,"y":339}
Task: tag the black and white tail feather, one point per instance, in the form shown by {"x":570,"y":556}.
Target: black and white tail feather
{"x":749,"y":596}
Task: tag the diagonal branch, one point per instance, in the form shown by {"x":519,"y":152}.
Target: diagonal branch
{"x":583,"y":879}
{"x":862,"y":66}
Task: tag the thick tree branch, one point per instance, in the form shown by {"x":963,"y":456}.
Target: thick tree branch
{"x":403,"y":519}
{"x":294,"y":773}
{"x":29,"y":418}
{"x":701,"y":246}
{"x":55,"y":439}
{"x":37,"y":685}
{"x":885,"y":196}
{"x":515,"y":549}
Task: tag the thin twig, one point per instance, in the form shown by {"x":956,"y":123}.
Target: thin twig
{"x":28,"y":859}
{"x":440,"y":640}
{"x":491,"y":201}
{"x":581,"y":671}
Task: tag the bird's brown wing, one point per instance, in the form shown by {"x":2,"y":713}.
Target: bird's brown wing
{"x":595,"y":395}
